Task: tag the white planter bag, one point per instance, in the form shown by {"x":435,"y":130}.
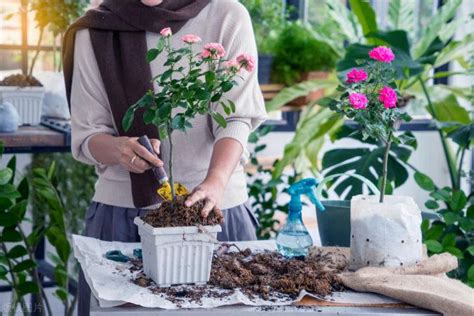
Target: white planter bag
{"x":27,"y":100}
{"x":385,"y":234}
{"x":177,"y":255}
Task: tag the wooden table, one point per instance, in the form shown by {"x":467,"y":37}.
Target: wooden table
{"x":306,"y":308}
{"x":33,"y":139}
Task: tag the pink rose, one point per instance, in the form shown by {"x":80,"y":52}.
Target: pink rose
{"x":382,"y":54}
{"x":358,"y":101}
{"x":355,"y":75}
{"x":166,"y":32}
{"x":246,"y":61}
{"x":191,"y":39}
{"x":213,"y":50}
{"x":232,"y":66}
{"x":388,"y":97}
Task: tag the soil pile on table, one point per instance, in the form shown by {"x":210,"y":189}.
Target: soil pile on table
{"x":20,"y":80}
{"x":262,"y":273}
{"x":175,"y":214}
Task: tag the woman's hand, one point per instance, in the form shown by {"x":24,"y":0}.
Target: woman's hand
{"x":134,"y":157}
{"x":211,"y":191}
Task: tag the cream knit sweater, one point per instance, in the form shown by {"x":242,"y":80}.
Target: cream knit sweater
{"x":223,"y":21}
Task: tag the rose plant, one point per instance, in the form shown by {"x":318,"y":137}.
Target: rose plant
{"x":369,"y":97}
{"x":188,"y":90}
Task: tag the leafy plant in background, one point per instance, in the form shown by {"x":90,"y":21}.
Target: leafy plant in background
{"x":264,"y":191}
{"x":70,"y":175}
{"x":297,"y":51}
{"x":192,"y":93}
{"x":268,"y":17}
{"x":17,"y":263}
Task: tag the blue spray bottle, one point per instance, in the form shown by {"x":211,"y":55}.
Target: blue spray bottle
{"x":294,"y":240}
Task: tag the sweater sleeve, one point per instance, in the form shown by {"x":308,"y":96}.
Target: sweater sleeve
{"x":237,"y":37}
{"x":90,"y":111}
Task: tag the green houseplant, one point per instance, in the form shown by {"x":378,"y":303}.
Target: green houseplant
{"x":268,"y":18}
{"x":18,"y":266}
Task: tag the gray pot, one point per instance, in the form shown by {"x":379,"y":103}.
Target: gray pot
{"x":265,"y":63}
{"x":335,"y":223}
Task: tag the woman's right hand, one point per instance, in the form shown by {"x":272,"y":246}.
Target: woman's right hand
{"x":134,"y":157}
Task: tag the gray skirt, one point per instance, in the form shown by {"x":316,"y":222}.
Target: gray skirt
{"x":112,"y":223}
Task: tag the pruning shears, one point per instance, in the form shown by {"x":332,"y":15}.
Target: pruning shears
{"x":164,"y":190}
{"x":117,"y":255}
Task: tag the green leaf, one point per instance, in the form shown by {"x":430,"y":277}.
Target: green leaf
{"x":148,"y":116}
{"x":12,"y":166}
{"x":5,"y":176}
{"x":470,"y":249}
{"x":5,"y":203}
{"x":27,"y":288}
{"x":10,"y":234}
{"x":300,"y":89}
{"x":463,"y":135}
{"x":401,"y":14}
{"x":62,"y":294}
{"x":24,"y":265}
{"x":219,"y":119}
{"x":17,"y":252}
{"x":449,"y":110}
{"x":458,"y":201}
{"x":19,"y":209}
{"x":424,"y":181}
{"x":441,"y":194}
{"x":454,"y":251}
{"x":432,"y":204}
{"x":434,"y":246}
{"x":456,"y":49}
{"x":470,"y":273}
{"x":365,"y":15}
{"x":450,"y":218}
{"x":449,"y":240}
{"x":231,"y":105}
{"x":127,"y":120}
{"x":152,"y":54}
{"x":202,"y":94}
{"x":210,"y":77}
{"x":8,"y":219}
{"x":227,"y":86}
{"x":437,"y":23}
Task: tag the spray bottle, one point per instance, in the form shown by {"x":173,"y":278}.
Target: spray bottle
{"x":294,"y":240}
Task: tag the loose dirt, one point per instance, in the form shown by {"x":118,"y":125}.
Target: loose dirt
{"x":20,"y":80}
{"x":266,"y":275}
{"x":175,"y":214}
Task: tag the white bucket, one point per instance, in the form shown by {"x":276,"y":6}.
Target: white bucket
{"x":27,"y":100}
{"x":177,"y":255}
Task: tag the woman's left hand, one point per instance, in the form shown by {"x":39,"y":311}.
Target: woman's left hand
{"x":211,"y":192}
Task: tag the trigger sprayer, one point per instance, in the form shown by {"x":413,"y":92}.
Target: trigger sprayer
{"x":294,"y":240}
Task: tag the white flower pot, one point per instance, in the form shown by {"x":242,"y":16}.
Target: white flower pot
{"x":177,"y":255}
{"x":27,"y":100}
{"x":385,"y":234}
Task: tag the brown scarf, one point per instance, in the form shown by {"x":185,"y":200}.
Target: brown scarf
{"x":117,"y":31}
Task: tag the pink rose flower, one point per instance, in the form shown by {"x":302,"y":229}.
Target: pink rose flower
{"x":191,"y":39}
{"x":382,"y":54}
{"x":213,"y":50}
{"x":358,"y":101}
{"x":388,"y":97}
{"x":166,"y":32}
{"x":232,"y":66}
{"x":246,"y":61}
{"x":355,"y":76}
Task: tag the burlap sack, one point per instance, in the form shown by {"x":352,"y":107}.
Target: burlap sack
{"x":424,"y":285}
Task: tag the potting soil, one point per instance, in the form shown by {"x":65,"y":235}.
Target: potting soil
{"x":176,"y":214}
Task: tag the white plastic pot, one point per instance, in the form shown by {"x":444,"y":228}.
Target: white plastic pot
{"x":385,"y":234}
{"x":27,"y":100}
{"x":177,"y":255}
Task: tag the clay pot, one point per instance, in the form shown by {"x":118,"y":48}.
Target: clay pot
{"x":314,"y":95}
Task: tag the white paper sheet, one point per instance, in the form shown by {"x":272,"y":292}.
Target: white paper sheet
{"x":110,"y":281}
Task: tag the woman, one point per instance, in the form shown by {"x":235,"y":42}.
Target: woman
{"x":106,"y":72}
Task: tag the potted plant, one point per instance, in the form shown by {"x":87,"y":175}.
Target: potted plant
{"x":268,"y":19}
{"x":24,"y":91}
{"x":385,"y":230}
{"x":299,"y":56}
{"x":175,"y":255}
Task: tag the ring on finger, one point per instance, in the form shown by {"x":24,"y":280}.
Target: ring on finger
{"x":132,"y":161}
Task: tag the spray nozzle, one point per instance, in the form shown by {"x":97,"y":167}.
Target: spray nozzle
{"x":307,"y":187}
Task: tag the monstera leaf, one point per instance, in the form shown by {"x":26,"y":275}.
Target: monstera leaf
{"x":366,"y":162}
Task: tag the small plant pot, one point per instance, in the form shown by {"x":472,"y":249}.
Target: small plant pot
{"x":334,"y":223}
{"x":27,"y":100}
{"x":313,"y":95}
{"x":265,"y":63}
{"x":177,"y":255}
